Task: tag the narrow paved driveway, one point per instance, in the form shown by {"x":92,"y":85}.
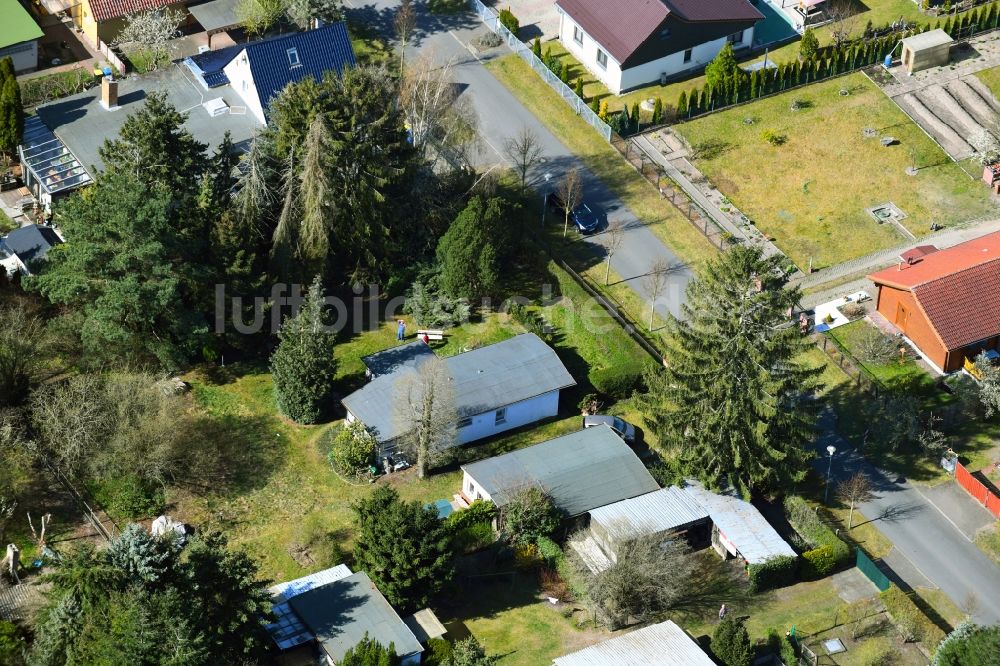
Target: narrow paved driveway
{"x":501,"y":116}
{"x":927,"y":547}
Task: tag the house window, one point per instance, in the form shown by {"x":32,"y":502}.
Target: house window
{"x":736,"y":38}
{"x":602,"y":59}
{"x":578,"y":35}
{"x":293,"y":57}
{"x":465,"y":423}
{"x":479,"y":496}
{"x":688,"y":54}
{"x":471,"y":486}
{"x":501,"y":416}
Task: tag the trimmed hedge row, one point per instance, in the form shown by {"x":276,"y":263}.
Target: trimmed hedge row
{"x":776,"y":572}
{"x":912,"y":623}
{"x":829,"y":553}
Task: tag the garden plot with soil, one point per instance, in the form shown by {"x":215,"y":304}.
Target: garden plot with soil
{"x":808,"y":177}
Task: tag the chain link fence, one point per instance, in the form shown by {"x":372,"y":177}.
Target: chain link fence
{"x":492,"y":21}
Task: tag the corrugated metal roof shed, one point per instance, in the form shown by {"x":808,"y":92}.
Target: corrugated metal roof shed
{"x":580,"y":471}
{"x":661,"y":511}
{"x":663,"y":644}
{"x":742,"y":524}
{"x":484,"y":379}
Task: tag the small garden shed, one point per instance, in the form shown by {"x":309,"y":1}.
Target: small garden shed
{"x":926,"y":50}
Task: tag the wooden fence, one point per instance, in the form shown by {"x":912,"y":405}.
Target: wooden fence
{"x":670,"y":191}
{"x":977,"y":489}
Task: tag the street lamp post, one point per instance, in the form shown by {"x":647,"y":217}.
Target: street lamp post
{"x":826,"y":494}
{"x":545,"y":198}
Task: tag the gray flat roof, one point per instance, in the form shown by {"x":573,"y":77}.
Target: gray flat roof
{"x":484,"y":379}
{"x":660,"y":511}
{"x":288,"y":630}
{"x":342,"y":612}
{"x":663,"y":644}
{"x":928,"y":40}
{"x":580,"y":471}
{"x":742,"y":524}
{"x":216,"y":15}
{"x":83,"y":124}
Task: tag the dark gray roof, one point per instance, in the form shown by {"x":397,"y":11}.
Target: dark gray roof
{"x":484,"y":379}
{"x":30,"y":243}
{"x":216,"y":15}
{"x":342,"y":612}
{"x":395,"y":358}
{"x":580,"y":471}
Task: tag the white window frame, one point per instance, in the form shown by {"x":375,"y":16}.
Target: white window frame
{"x":578,"y":35}
{"x":602,"y":59}
{"x":500,"y":417}
{"x":293,"y":57}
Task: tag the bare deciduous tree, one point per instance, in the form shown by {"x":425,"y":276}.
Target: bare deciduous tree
{"x":570,"y":190}
{"x":844,"y":17}
{"x":655,"y":574}
{"x":404,"y":22}
{"x":525,"y":153}
{"x":425,"y":414}
{"x":854,"y":490}
{"x":656,"y":283}
{"x":612,"y":240}
{"x":150,"y":33}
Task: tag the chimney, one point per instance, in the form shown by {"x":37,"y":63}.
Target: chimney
{"x":109,"y":93}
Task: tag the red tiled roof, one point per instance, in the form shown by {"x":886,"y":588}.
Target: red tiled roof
{"x":622,"y":27}
{"x":105,"y":10}
{"x":958,"y":289}
{"x":941,"y":263}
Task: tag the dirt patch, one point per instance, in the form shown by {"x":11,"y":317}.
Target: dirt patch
{"x":726,"y":186}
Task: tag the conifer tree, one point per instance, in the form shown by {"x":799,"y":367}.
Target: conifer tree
{"x":734,"y":403}
{"x":416,"y":562}
{"x":578,"y":89}
{"x":303,"y":366}
{"x":11,"y":111}
{"x":731,"y":643}
{"x":369,"y":652}
{"x":635,"y":116}
{"x":658,"y":111}
{"x":809,"y":45}
{"x":536,"y":48}
{"x":682,"y":105}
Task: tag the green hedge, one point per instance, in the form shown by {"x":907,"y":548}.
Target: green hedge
{"x":828,"y":552}
{"x":776,"y":572}
{"x":509,"y":21}
{"x":550,"y":551}
{"x":912,"y":623}
{"x":617,"y":382}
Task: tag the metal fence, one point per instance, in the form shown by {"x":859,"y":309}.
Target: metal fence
{"x":492,"y":21}
{"x":871,"y":570}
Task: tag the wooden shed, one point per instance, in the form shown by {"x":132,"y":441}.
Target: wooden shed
{"x":926,"y":50}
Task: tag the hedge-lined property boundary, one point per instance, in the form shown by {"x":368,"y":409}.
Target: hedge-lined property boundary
{"x":828,"y":553}
{"x":775,"y":572}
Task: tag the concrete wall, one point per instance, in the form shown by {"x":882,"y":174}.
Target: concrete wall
{"x":241,"y":80}
{"x":618,"y":80}
{"x":24,"y":55}
{"x":936,"y":56}
{"x":517,"y":415}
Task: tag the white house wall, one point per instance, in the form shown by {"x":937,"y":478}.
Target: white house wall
{"x":24,"y":55}
{"x":519,"y":414}
{"x":473,"y":490}
{"x":241,"y":80}
{"x":618,"y":80}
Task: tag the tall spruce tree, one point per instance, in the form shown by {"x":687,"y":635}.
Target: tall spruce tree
{"x":733,"y":403}
{"x":413,"y":565}
{"x":303,"y":366}
{"x":470,"y":251}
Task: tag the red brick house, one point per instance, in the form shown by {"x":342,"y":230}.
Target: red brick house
{"x":947,"y":302}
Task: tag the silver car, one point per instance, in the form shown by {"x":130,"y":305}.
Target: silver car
{"x":623,"y":429}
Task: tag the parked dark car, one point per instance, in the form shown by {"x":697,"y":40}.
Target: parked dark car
{"x":582,"y":216}
{"x":622,"y":428}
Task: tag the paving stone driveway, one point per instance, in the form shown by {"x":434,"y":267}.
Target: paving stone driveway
{"x":538,"y":18}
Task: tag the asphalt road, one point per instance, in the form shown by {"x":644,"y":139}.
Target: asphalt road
{"x":501,"y":116}
{"x":931,"y":547}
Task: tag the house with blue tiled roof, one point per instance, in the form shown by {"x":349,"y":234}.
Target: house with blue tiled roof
{"x":260,"y":70}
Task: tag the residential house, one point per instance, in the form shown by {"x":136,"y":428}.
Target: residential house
{"x":633,"y":43}
{"x":580,"y":472}
{"x":736,"y":527}
{"x":945,"y":302}
{"x":23,"y":249}
{"x":331,"y":611}
{"x":100,"y":21}
{"x":260,"y":70}
{"x":19,"y":36}
{"x":497,"y":387}
{"x":663,"y":644}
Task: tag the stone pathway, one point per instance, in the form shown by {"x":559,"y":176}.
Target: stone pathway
{"x":665,"y":149}
{"x":852,"y":585}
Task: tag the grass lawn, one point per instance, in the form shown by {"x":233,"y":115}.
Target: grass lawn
{"x":602,"y":159}
{"x":810,"y":193}
{"x":906,"y":376}
{"x":988,"y":541}
{"x":991,"y":77}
